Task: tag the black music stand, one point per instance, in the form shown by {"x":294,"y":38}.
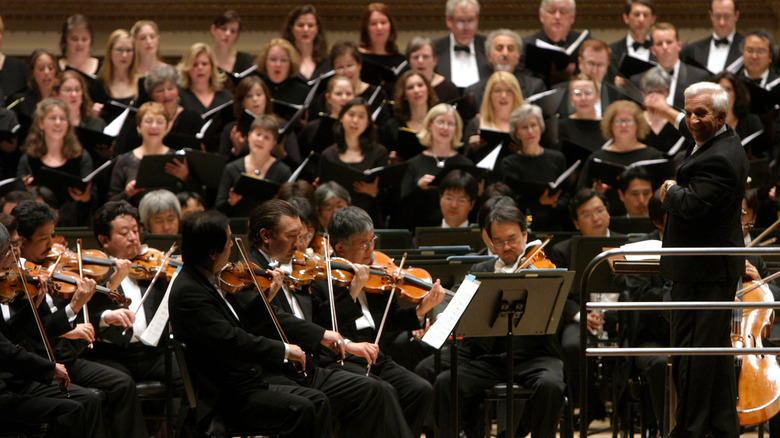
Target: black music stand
{"x":529,"y":302}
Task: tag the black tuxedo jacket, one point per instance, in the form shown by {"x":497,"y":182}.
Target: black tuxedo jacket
{"x":22,"y":329}
{"x":18,"y":367}
{"x":619,"y":48}
{"x":705,"y":210}
{"x":688,"y":75}
{"x":444,"y":63}
{"x":698,"y":52}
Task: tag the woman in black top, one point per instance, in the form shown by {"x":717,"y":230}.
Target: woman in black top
{"x":421,"y":54}
{"x":225,"y":30}
{"x":13,"y":73}
{"x":76,"y":41}
{"x":441,"y":135}
{"x":348,"y":61}
{"x":259,"y":163}
{"x":356,"y":147}
{"x":583,"y":128}
{"x":43,"y":70}
{"x":279,"y":64}
{"x":533,"y":166}
{"x":319,"y":133}
{"x":414,"y":96}
{"x":378,"y":33}
{"x":201,"y":80}
{"x":739,"y":117}
{"x":52,"y":144}
{"x":116,"y":80}
{"x":303,"y":29}
{"x":662,"y":135}
{"x":146,"y":38}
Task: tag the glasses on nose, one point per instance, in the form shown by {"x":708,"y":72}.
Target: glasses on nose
{"x":365,"y":245}
{"x":562,"y":12}
{"x":756,"y":52}
{"x":499,"y":244}
{"x":461,"y":201}
{"x":624,"y":122}
{"x":594,"y":66}
{"x":462,"y":24}
{"x":443,"y":124}
{"x":585,"y":215}
{"x":581,"y":93}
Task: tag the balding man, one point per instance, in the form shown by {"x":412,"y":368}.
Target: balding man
{"x":704,"y":210}
{"x":461,"y":54}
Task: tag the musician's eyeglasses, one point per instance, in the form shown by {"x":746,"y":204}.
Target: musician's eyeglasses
{"x":365,"y":245}
{"x":502,"y":243}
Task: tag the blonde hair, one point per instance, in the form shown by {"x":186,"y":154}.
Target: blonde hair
{"x":486,"y":113}
{"x":134,"y":34}
{"x":425,"y":136}
{"x":188,"y":60}
{"x":642,"y":127}
{"x":292,"y":52}
{"x":35,"y":145}
{"x":107,"y":70}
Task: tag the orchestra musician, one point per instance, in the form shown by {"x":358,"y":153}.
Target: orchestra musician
{"x":537,"y":359}
{"x":122,"y":410}
{"x":229,"y":362}
{"x":360,"y":314}
{"x":274,"y":231}
{"x":29,"y":384}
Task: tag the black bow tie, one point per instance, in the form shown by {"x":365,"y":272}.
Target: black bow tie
{"x":671,"y":72}
{"x":561,"y":43}
{"x":719,"y":42}
{"x":464,"y":49}
{"x":635,"y":45}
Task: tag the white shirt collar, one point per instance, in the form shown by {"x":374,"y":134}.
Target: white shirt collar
{"x":465,"y":224}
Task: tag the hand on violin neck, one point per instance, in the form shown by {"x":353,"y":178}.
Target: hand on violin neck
{"x":334,"y":341}
{"x":82,"y":331}
{"x":296,"y":354}
{"x":120,"y":317}
{"x":359,"y":280}
{"x":121,"y":271}
{"x":84,"y":290}
{"x":366,"y":350}
{"x":431,"y":300}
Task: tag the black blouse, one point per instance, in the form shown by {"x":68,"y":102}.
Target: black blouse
{"x":278,"y":172}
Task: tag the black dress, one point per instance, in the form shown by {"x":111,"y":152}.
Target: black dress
{"x":586,"y":133}
{"x":446,"y":91}
{"x":13,"y":78}
{"x":518,"y":169}
{"x":125,"y":170}
{"x":420,"y":208}
{"x":666,"y":139}
{"x":278,"y":172}
{"x":286,"y":95}
{"x":376,"y":157}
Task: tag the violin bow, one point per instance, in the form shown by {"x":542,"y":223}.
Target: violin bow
{"x":331,"y":295}
{"x":761,"y":236}
{"x":81,"y":275}
{"x":154,"y":279}
{"x":38,"y":322}
{"x":387,"y":307}
{"x":277,"y":325}
{"x":533,"y":254}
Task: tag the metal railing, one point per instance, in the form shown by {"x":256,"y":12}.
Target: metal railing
{"x":706,"y":351}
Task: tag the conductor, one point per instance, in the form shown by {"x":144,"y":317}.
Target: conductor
{"x":704,"y":211}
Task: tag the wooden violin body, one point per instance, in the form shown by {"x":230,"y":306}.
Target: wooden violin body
{"x":759,"y":374}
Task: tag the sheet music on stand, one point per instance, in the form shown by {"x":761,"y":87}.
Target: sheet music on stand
{"x":440,"y":330}
{"x":151,"y":336}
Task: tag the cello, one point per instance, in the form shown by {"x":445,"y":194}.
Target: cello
{"x":759,"y":374}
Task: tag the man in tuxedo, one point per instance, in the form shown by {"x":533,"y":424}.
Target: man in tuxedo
{"x":557,"y":18}
{"x":639,"y":15}
{"x":504,"y":48}
{"x":704,"y":210}
{"x":666,"y":47}
{"x":30,"y":390}
{"x":537,"y":359}
{"x":122,"y":410}
{"x":274,"y":231}
{"x":461,"y":54}
{"x":723,"y":47}
{"x":762,"y":80}
{"x":360,"y":314}
{"x":119,"y":328}
{"x":228,"y":359}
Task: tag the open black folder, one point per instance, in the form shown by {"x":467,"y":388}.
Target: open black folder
{"x":534,"y":189}
{"x":152,"y":174}
{"x":59,"y":181}
{"x":609,"y":172}
{"x":346,"y":176}
{"x":259,"y":189}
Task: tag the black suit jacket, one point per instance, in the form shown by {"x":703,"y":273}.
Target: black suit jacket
{"x":705,"y":210}
{"x":18,"y":367}
{"x":698,"y":52}
{"x":619,"y":48}
{"x":688,"y":75}
{"x":444,"y":63}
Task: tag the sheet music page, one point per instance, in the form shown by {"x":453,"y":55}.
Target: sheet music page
{"x":441,"y":329}
{"x":151,"y":336}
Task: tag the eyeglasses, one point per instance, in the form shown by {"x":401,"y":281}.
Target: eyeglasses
{"x":443,"y":124}
{"x":461,"y":201}
{"x":364,"y":246}
{"x":584,"y":215}
{"x":594,"y":66}
{"x":462,"y":24}
{"x":580,"y":93}
{"x":502,"y":243}
{"x":624,"y":122}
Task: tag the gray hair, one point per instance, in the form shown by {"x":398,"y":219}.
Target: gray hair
{"x":159,"y":75}
{"x":521,"y":113}
{"x":348,"y":222}
{"x":656,"y":78}
{"x":504,"y":32}
{"x":546,"y":3}
{"x":449,"y":7}
{"x":720,"y":98}
{"x":329,"y":190}
{"x":157,"y":202}
{"x":5,"y":238}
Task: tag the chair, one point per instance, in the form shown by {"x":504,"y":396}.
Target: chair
{"x":497,"y":394}
{"x":393,"y":239}
{"x":24,"y":430}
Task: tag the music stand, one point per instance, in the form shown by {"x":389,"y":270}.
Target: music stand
{"x":529,"y":302}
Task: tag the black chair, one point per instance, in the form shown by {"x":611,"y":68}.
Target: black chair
{"x":521,"y":395}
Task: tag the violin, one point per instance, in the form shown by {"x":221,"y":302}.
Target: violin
{"x":146,"y":264}
{"x":95,"y":262}
{"x":236,"y":277}
{"x":536,"y":257}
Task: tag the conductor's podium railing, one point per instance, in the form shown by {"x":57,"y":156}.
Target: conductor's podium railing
{"x":649,"y":268}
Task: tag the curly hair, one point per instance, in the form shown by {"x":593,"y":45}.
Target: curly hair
{"x":35,"y":145}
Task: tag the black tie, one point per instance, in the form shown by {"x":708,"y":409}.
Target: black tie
{"x":561,"y":43}
{"x":671,"y":72}
{"x":645,"y":44}
{"x":719,"y":42}
{"x":464,"y":49}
